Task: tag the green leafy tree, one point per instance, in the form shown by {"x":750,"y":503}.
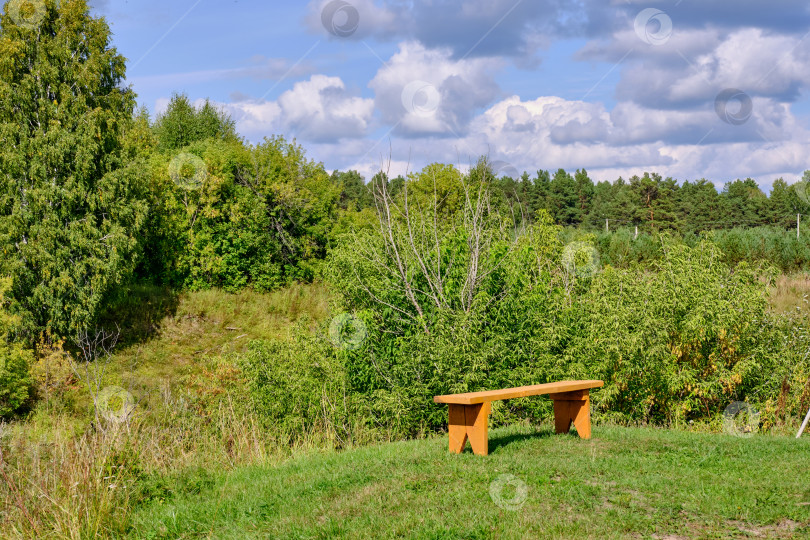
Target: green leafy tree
{"x":354,"y":192}
{"x":298,"y":202}
{"x":624,"y":207}
{"x":70,"y":205}
{"x":395,"y":185}
{"x":183,"y":124}
{"x":234,"y":216}
{"x":600,"y":204}
{"x":540,"y":198}
{"x":656,"y":200}
{"x":584,"y":192}
{"x":614,"y":202}
{"x":526,"y":190}
{"x":699,"y":206}
{"x":441,"y":185}
{"x":800,"y":195}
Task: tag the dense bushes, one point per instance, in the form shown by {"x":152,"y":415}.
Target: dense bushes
{"x":231,"y":215}
{"x":299,"y":386}
{"x":679,"y":342}
{"x":95,"y":195}
{"x":15,"y":380}
{"x":465,"y":301}
{"x":768,"y":245}
{"x":465,"y":281}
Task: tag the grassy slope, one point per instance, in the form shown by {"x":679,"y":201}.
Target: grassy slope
{"x":624,"y":482}
{"x":166,"y":337}
{"x":176,"y":357}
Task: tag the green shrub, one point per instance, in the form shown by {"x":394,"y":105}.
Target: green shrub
{"x":464,"y":300}
{"x":768,"y":245}
{"x":15,"y":382}
{"x":679,"y":342}
{"x":676,"y":332}
{"x":242,"y":216}
{"x":298,"y":386}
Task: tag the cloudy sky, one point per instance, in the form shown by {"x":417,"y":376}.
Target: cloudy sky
{"x":687,"y":88}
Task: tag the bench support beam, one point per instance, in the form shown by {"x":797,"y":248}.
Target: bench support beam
{"x":469,"y":422}
{"x":572,"y":407}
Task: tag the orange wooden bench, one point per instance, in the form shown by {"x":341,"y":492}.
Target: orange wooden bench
{"x":469,"y":413}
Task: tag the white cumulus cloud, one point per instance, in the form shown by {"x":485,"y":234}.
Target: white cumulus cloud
{"x":316,"y":110}
{"x":425,"y":91}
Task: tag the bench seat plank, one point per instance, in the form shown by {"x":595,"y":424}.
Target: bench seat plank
{"x":474,"y":398}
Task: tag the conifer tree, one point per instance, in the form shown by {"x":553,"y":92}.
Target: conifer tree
{"x":70,"y":208}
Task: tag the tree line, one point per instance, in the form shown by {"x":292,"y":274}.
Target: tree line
{"x":650,"y":202}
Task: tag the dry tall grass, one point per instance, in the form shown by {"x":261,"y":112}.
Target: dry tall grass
{"x":791,"y":293}
{"x":58,"y":483}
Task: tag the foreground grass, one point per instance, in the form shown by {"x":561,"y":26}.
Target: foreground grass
{"x":624,"y":482}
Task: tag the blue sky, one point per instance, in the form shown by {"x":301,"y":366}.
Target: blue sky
{"x":690,"y":89}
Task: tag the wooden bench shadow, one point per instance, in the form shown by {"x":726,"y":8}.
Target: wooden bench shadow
{"x":501,"y":441}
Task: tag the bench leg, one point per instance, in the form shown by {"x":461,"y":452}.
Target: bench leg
{"x":469,"y":422}
{"x":457,"y":429}
{"x":573,"y":407}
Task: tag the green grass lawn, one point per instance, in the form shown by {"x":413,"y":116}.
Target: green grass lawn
{"x":625,"y":482}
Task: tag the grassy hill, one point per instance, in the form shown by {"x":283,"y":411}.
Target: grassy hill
{"x":193,"y":463}
{"x":61,"y":478}
{"x":165,"y":334}
{"x":625,"y":482}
